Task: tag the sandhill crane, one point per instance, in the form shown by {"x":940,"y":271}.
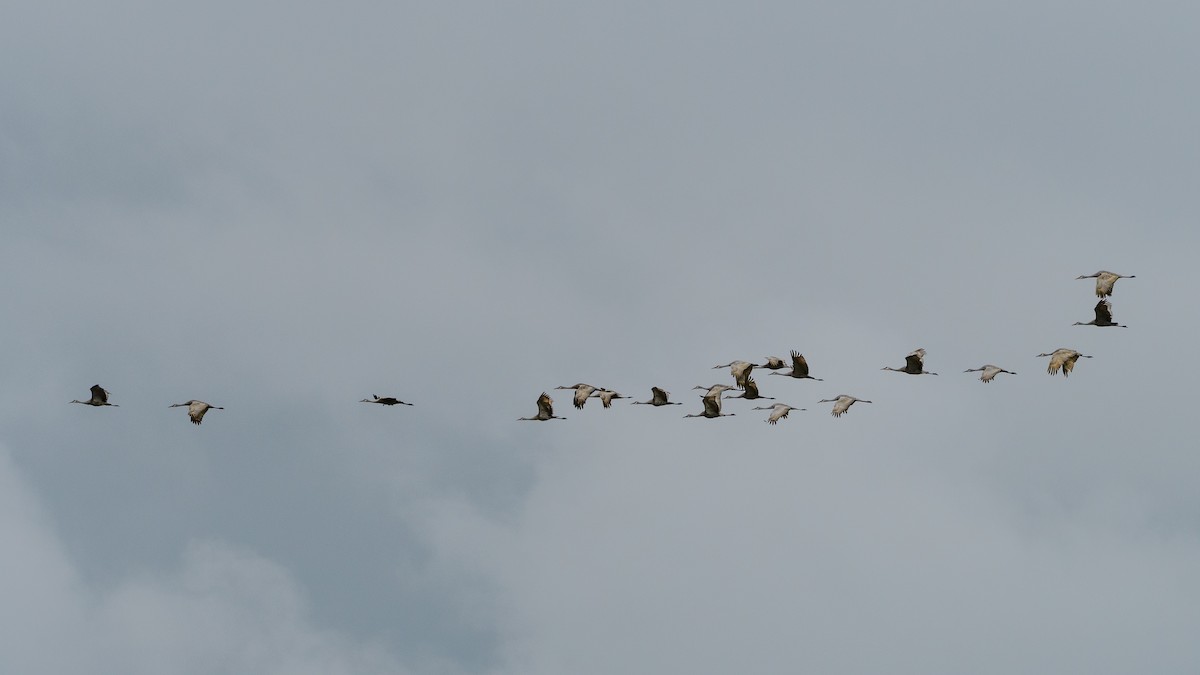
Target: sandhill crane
{"x":778,"y":412}
{"x":774,"y":363}
{"x":658,"y":397}
{"x":914,"y":364}
{"x":842,"y":403}
{"x":582,"y":392}
{"x":1105,"y":281}
{"x":1103,"y":318}
{"x":386,"y":400}
{"x":606,"y":396}
{"x":196,"y":409}
{"x":740,"y":371}
{"x":714,"y":390}
{"x":99,"y":398}
{"x":988,"y":371}
{"x":751,"y":391}
{"x":712,"y":408}
{"x":1063,"y":358}
{"x":799,"y":368}
{"x":545,"y":410}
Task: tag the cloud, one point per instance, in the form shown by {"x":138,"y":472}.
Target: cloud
{"x":842,"y":559}
{"x":282,"y":210}
{"x":223,"y":610}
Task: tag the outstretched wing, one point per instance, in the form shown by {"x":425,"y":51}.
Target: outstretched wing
{"x":712,"y":405}
{"x":1068,"y":363}
{"x":545,"y":405}
{"x":914,"y":362}
{"x":581,"y":396}
{"x":196,"y":411}
{"x":606,"y":397}
{"x":843,"y":404}
{"x":799,"y":365}
{"x":751,"y":388}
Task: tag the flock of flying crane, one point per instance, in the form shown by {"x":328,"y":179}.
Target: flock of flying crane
{"x":1060,"y":359}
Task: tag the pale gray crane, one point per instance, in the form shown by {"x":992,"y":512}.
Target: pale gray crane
{"x":1105,"y":281}
{"x":606,"y":396}
{"x":989,"y":372}
{"x":196,"y":409}
{"x":545,"y":410}
{"x":1063,"y":359}
{"x":99,"y":398}
{"x":842,"y":403}
{"x":714,"y":390}
{"x":658,"y":397}
{"x":778,"y":411}
{"x":582,"y":392}
{"x":386,"y":400}
{"x":712,"y":408}
{"x":799,"y":368}
{"x":914,"y":364}
{"x":740,"y":371}
{"x":751,"y":391}
{"x":774,"y":363}
{"x":1103,"y":318}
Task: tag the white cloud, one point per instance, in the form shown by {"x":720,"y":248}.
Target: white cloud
{"x":285,"y":209}
{"x":847,"y":560}
{"x":222,"y":611}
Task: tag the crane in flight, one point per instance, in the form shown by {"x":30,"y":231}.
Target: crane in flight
{"x":751,"y":391}
{"x":740,"y":371}
{"x":1063,"y":359}
{"x":196,"y":409}
{"x":712,"y":408}
{"x":799,"y":368}
{"x":658,"y":397}
{"x":914,"y":364}
{"x":99,"y":398}
{"x":606,"y":396}
{"x":989,"y":372}
{"x":1103,"y":310}
{"x":386,"y":400}
{"x":842,"y":403}
{"x":545,"y":411}
{"x":1105,"y":281}
{"x":778,"y":411}
{"x":582,"y":392}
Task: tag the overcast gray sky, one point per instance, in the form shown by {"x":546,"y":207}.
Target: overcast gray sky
{"x":282,"y":209}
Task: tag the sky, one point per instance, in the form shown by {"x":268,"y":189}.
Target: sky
{"x":284,"y":208}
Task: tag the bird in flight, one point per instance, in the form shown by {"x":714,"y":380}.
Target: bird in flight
{"x":545,"y":412}
{"x":842,"y":403}
{"x":1105,"y":281}
{"x":386,"y":400}
{"x":914,"y":364}
{"x":196,"y":409}
{"x":99,"y":398}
